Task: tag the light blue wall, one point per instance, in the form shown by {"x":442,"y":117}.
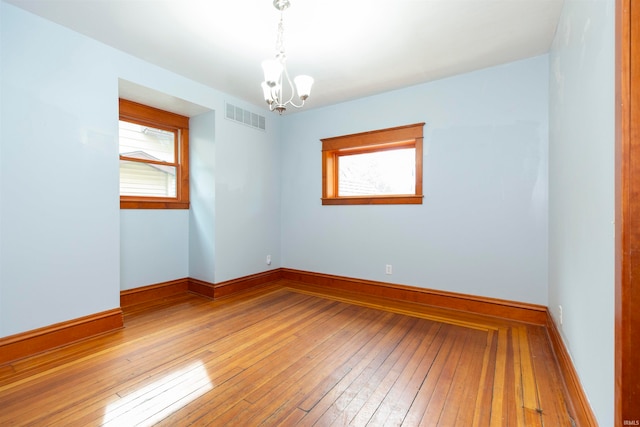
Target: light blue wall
{"x":2,"y":110}
{"x":154,"y":246}
{"x":66,"y":249}
{"x":247,"y":199}
{"x":582,"y":195}
{"x":59,"y":209}
{"x":202,"y":192}
{"x":482,"y":228}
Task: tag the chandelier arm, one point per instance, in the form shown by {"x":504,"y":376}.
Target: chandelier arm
{"x":293,"y":90}
{"x":280,"y":87}
{"x":280,"y":38}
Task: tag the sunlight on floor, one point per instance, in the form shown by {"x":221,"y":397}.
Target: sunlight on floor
{"x":154,"y":402}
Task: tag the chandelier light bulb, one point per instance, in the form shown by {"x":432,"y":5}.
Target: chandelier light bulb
{"x":272,"y":71}
{"x":266,"y":91}
{"x":303,"y":86}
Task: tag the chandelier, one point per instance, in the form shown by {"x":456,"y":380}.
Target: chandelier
{"x":276,"y":78}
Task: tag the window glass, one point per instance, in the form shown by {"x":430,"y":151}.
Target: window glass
{"x":147,"y":179}
{"x":377,"y":173}
{"x":146,"y":142}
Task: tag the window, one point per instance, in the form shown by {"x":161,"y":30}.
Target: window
{"x":154,"y":158}
{"x":377,"y":167}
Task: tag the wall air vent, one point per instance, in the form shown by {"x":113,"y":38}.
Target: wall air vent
{"x":245,"y":117}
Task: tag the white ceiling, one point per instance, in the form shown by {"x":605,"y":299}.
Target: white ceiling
{"x":353,"y":48}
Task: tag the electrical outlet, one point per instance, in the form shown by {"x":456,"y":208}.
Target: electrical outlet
{"x":388,"y":269}
{"x":268,"y":259}
{"x":560,"y":313}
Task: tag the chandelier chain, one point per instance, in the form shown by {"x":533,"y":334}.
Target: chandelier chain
{"x":280,"y":39}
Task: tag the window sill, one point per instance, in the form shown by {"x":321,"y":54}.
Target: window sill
{"x":146,"y":204}
{"x":374,"y":200}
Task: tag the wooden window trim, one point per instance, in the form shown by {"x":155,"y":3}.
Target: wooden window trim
{"x":142,"y":114}
{"x":409,"y":136}
{"x":627,"y":295}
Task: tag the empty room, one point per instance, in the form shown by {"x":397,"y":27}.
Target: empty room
{"x":304,"y":212}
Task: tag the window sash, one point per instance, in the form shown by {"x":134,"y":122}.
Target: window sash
{"x":179,"y":125}
{"x":409,"y":136}
{"x":135,"y":142}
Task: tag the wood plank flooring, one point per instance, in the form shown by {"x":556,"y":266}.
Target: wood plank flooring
{"x":287,"y":354}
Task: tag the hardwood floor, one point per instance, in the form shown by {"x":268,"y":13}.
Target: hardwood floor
{"x":287,"y":355}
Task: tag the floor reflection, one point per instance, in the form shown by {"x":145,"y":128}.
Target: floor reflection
{"x":154,"y":402}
